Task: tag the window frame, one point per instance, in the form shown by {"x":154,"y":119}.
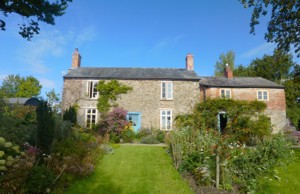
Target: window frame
{"x":94,"y":93}
{"x":262,"y":95}
{"x":166,"y":90}
{"x":168,"y":125}
{"x":91,"y":114}
{"x":225,"y":93}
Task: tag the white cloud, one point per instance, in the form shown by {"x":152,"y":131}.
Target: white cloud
{"x":46,"y":83}
{"x":51,"y":44}
{"x":86,"y":35}
{"x":260,"y":50}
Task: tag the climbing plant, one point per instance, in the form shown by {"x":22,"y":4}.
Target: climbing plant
{"x":108,"y":94}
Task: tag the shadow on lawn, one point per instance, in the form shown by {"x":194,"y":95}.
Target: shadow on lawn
{"x":96,"y":184}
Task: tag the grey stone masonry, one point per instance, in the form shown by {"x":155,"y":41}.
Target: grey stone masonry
{"x":145,"y":98}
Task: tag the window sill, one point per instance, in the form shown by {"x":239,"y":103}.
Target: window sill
{"x":164,"y":99}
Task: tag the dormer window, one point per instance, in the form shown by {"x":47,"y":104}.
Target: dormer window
{"x":92,"y":89}
{"x":166,"y":90}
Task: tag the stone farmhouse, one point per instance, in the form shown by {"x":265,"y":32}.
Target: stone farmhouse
{"x":159,"y":94}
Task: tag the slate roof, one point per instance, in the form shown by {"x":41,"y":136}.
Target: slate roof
{"x":238,"y":82}
{"x":16,"y":100}
{"x":132,"y":73}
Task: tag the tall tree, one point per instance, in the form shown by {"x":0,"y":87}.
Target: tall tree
{"x":32,"y":12}
{"x":45,"y":127}
{"x":10,"y":86}
{"x":227,"y":58}
{"x":284,"y":24}
{"x":273,"y":67}
{"x":17,"y":86}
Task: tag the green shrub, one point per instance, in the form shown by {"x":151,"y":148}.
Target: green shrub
{"x":160,"y":136}
{"x":39,"y":180}
{"x":144,"y":132}
{"x":195,"y":152}
{"x":127,"y":136}
{"x":150,"y":139}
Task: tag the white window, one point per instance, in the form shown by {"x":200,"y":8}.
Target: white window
{"x":167,"y":90}
{"x":92,"y":89}
{"x":225,"y":93}
{"x":90,"y":117}
{"x":262,"y":95}
{"x":166,"y":119}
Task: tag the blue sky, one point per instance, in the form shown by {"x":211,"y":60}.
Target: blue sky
{"x":133,"y":33}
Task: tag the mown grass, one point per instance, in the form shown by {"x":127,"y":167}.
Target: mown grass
{"x":289,"y":182}
{"x":134,"y":169}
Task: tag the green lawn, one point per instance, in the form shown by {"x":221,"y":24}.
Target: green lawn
{"x":134,"y":169}
{"x":289,"y":179}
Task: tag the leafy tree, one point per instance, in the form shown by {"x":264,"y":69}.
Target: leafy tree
{"x":284,"y":24}
{"x":45,"y":127}
{"x":274,"y":68}
{"x":32,"y":13}
{"x":108,"y":94}
{"x":53,"y":100}
{"x":17,"y":86}
{"x":227,"y":58}
{"x":242,"y":71}
{"x":10,"y":86}
{"x":292,"y":92}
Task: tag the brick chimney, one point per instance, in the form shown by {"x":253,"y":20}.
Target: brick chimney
{"x":76,"y":59}
{"x":228,"y":72}
{"x":189,"y":62}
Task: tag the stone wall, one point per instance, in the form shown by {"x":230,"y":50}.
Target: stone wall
{"x":145,"y":98}
{"x":276,"y":105}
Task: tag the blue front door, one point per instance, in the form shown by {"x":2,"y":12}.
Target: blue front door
{"x":135,"y":119}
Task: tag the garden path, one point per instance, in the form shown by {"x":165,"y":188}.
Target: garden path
{"x":134,"y":169}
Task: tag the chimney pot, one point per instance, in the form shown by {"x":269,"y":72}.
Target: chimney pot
{"x":228,"y":72}
{"x":76,"y":59}
{"x":189,"y":62}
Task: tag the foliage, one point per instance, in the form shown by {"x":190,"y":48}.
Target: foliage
{"x":292,"y":92}
{"x":283,"y":26}
{"x":273,"y":67}
{"x":251,"y":164}
{"x":149,"y":139}
{"x":40,"y":180}
{"x":14,"y":167}
{"x":151,"y":136}
{"x":14,"y":178}
{"x":70,"y":114}
{"x":276,"y":67}
{"x":108,"y":94}
{"x":32,"y":13}
{"x":144,"y":132}
{"x":17,"y":86}
{"x":195,"y":151}
{"x":285,"y":174}
{"x":45,"y":126}
{"x":244,"y":118}
{"x":18,"y":123}
{"x":183,"y":120}
{"x":128,"y":135}
{"x":227,"y":58}
{"x":114,"y":123}
{"x":53,"y":100}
